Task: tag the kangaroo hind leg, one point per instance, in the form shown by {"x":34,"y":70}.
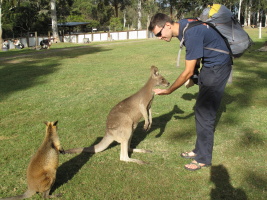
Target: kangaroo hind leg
{"x":104,"y":143}
{"x":101,"y":146}
{"x":124,"y":156}
{"x":131,"y":150}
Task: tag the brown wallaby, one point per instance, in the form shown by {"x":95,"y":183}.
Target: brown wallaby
{"x":41,"y":172}
{"x":124,"y":117}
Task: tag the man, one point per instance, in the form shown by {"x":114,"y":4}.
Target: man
{"x":215,"y":71}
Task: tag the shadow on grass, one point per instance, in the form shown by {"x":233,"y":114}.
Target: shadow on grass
{"x":18,"y":74}
{"x":69,"y":169}
{"x":223,"y":188}
{"x":157,"y":123}
{"x":252,"y":138}
{"x":257,"y":180}
{"x":226,"y":100}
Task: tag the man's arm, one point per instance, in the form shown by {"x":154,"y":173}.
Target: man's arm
{"x":184,"y":76}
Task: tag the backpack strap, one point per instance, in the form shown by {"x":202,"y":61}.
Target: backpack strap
{"x":195,"y":23}
{"x":219,"y":50}
{"x":224,"y":38}
{"x":188,"y":25}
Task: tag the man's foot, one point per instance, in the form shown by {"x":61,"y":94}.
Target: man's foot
{"x":188,"y":155}
{"x":194,"y":165}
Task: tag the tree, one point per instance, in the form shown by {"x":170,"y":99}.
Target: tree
{"x":118,"y":5}
{"x":1,"y":40}
{"x":139,"y":14}
{"x":239,"y":9}
{"x":54,"y":20}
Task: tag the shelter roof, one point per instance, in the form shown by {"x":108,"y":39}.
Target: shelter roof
{"x":70,"y":24}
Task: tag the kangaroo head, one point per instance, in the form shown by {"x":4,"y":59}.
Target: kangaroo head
{"x":51,"y":135}
{"x":159,"y":80}
{"x":51,"y":125}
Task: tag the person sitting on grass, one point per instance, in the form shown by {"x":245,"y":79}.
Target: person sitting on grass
{"x":18,"y":44}
{"x":5,"y":45}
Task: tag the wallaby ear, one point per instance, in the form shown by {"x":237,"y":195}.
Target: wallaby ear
{"x":55,"y":123}
{"x":46,"y":123}
{"x":154,"y":70}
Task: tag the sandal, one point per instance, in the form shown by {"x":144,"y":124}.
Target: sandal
{"x":198,"y":166}
{"x":187,"y":156}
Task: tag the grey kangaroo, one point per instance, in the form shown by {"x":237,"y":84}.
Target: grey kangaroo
{"x":124,"y":117}
{"x":41,"y":172}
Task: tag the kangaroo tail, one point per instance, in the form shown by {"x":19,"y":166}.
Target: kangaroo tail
{"x":101,"y":146}
{"x":80,"y":150}
{"x":27,"y":194}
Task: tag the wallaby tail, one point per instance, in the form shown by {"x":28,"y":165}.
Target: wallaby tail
{"x":27,"y":194}
{"x":101,"y":146}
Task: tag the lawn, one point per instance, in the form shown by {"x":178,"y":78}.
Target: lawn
{"x":79,"y":84}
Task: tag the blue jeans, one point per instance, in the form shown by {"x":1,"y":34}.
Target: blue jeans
{"x":212,"y":81}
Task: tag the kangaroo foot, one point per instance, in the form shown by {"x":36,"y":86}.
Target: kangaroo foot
{"x":140,"y":150}
{"x":55,"y":195}
{"x":140,"y":162}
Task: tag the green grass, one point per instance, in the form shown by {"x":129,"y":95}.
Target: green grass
{"x":79,"y":85}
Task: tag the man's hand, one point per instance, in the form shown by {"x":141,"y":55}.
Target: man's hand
{"x":161,"y":91}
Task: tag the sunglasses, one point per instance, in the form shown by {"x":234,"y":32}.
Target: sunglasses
{"x":159,"y":33}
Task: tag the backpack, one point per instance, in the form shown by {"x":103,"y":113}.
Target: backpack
{"x":223,"y":21}
{"x":228,"y":25}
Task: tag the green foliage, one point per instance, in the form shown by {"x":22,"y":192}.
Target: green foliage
{"x":93,"y":24}
{"x":19,"y":17}
{"x":115,"y":24}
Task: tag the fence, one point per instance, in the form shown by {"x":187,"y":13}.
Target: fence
{"x":88,"y":37}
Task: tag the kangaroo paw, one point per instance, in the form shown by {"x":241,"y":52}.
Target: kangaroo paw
{"x":146,"y":128}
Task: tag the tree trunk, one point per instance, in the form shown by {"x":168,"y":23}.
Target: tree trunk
{"x":54,"y":21}
{"x":1,"y":40}
{"x":139,"y":14}
{"x":258,"y":17}
{"x":249,"y":13}
{"x":171,"y":11}
{"x":116,"y":7}
{"x":124,"y":19}
{"x":239,"y":9}
{"x":265,"y":20}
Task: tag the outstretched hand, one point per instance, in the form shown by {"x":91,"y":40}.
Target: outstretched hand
{"x":161,"y":91}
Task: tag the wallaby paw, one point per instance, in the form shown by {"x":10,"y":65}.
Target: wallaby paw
{"x":62,"y":151}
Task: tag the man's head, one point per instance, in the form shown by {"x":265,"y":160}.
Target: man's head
{"x":161,"y":26}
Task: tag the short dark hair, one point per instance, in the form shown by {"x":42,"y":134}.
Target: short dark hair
{"x":159,"y":20}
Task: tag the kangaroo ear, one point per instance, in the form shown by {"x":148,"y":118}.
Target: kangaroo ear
{"x":55,"y":123}
{"x":154,"y":70}
{"x":46,"y":123}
